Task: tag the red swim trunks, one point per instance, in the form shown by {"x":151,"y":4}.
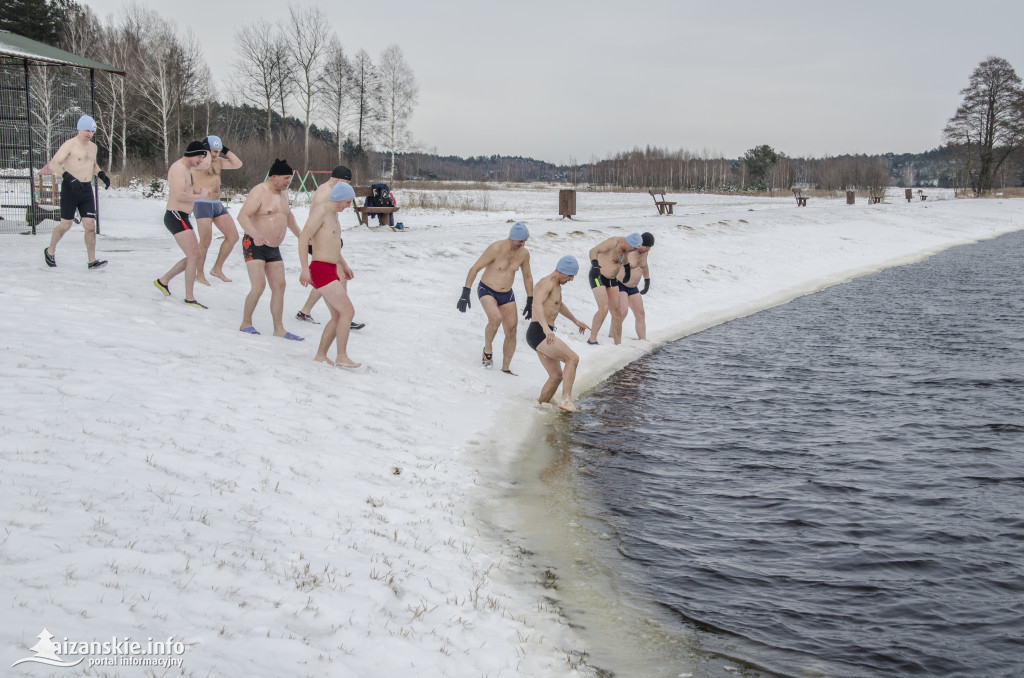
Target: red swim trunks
{"x":323,"y":273}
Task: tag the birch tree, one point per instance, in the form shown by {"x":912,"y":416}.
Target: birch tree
{"x":263,"y":68}
{"x":337,"y":85}
{"x":365,"y":94}
{"x":308,"y":34}
{"x":398,"y":96}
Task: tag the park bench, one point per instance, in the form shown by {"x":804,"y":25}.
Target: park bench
{"x":664,"y":206}
{"x":874,"y":199}
{"x":801,"y":200}
{"x":363,"y":213}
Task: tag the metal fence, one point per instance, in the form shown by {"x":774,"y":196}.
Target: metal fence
{"x":39,"y":109}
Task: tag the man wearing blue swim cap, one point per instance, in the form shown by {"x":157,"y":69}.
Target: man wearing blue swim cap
{"x":339,"y":175}
{"x":630,"y":294}
{"x":499,"y":263}
{"x":75,"y":163}
{"x":210,"y":211}
{"x":540,"y":335}
{"x":606,"y":261}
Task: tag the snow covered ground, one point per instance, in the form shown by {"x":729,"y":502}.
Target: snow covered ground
{"x":163,"y":475}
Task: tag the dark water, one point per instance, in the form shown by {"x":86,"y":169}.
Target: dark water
{"x":835,"y":486}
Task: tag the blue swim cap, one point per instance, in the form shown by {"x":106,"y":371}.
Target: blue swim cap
{"x":518,"y":231}
{"x":214,"y":142}
{"x":86,"y":123}
{"x":634,"y":240}
{"x":342,"y":191}
{"x":568,"y":265}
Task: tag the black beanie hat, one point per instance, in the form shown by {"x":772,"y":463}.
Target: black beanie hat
{"x":195,"y":148}
{"x":648,"y":240}
{"x":280,"y":168}
{"x":342,"y":172}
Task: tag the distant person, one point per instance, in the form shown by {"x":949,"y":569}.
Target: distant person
{"x":75,"y":162}
{"x":499,"y":262}
{"x":321,"y":236}
{"x":211,"y":212}
{"x":321,"y":196}
{"x":630,"y":297}
{"x":606,"y":260}
{"x":540,"y":335}
{"x":181,"y":196}
{"x":266,"y":217}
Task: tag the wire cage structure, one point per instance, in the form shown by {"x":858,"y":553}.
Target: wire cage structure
{"x":43,"y":92}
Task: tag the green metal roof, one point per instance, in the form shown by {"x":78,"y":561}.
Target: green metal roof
{"x":20,"y":47}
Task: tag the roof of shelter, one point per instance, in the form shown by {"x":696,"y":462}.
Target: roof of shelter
{"x":20,"y":47}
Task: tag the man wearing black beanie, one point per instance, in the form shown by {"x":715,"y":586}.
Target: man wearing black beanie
{"x":265,"y":217}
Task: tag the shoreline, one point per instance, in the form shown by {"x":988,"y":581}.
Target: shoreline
{"x":585,"y":580}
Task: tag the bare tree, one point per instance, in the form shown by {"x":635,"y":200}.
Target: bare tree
{"x":308,"y":35}
{"x":365,"y":94}
{"x":398,"y":96}
{"x":263,"y":68}
{"x":337,"y":86}
{"x":989,"y":124}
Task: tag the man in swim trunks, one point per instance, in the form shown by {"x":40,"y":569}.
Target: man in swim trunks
{"x":630,"y":296}
{"x":499,"y":262}
{"x":540,"y":335}
{"x":181,"y":196}
{"x":211,"y":212}
{"x":322,"y":234}
{"x":75,"y":160}
{"x":606,"y":260}
{"x":266,"y":217}
{"x":338,"y":174}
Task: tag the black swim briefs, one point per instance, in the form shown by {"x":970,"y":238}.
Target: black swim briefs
{"x":177,"y":222}
{"x":254,"y":252}
{"x":535,"y":334}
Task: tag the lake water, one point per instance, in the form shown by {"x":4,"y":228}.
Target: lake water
{"x":832,"y":487}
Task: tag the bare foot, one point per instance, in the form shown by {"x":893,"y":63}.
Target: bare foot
{"x":202,"y":280}
{"x":347,"y":364}
{"x":567,"y":406}
{"x":323,"y":359}
{"x":220,"y":274}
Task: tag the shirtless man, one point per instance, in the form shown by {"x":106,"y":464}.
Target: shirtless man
{"x":500,"y":261}
{"x":265,"y":217}
{"x":321,"y":196}
{"x":181,"y":196}
{"x":630,"y":297}
{"x":606,"y":261}
{"x":211,"y":211}
{"x":540,"y":335}
{"x":322,"y":235}
{"x":76,"y":161}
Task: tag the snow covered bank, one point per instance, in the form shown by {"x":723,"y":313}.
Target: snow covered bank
{"x":165,"y":475}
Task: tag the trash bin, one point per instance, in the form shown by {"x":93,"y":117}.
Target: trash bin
{"x":849,"y":197}
{"x":566,"y":202}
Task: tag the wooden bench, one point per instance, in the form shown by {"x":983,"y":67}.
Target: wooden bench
{"x":801,"y":199}
{"x":363,"y":213}
{"x":874,"y":199}
{"x":664,"y":206}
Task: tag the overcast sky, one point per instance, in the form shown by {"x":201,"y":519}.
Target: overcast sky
{"x":574,"y":79}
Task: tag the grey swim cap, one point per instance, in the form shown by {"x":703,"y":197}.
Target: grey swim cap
{"x":86,"y":123}
{"x":342,"y":191}
{"x":568,"y":265}
{"x":518,"y":231}
{"x":634,"y":240}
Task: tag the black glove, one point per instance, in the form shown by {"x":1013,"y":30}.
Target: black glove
{"x":464,"y":300}
{"x":105,"y":179}
{"x":68,"y":178}
{"x":625,"y":278}
{"x":595,"y":269}
{"x":223,"y":151}
{"x":647,"y":286}
{"x":528,"y":311}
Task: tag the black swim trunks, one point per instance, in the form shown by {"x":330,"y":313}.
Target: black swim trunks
{"x":266,"y":253}
{"x":76,"y":196}
{"x":602,"y":281}
{"x":535,"y":334}
{"x":177,"y":222}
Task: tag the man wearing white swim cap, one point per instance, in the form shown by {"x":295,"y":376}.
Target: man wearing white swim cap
{"x":75,"y":162}
{"x":210,"y":211}
{"x":606,"y":261}
{"x":540,"y":335}
{"x":499,"y":263}
{"x":321,"y":239}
